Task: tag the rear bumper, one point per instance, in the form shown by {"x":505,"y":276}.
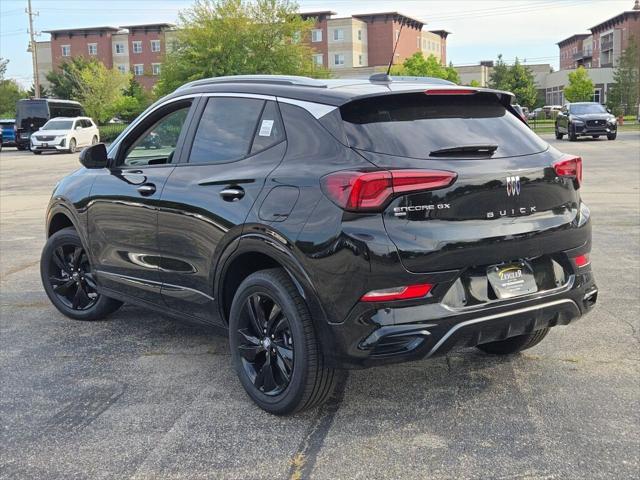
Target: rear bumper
{"x":392,"y":335}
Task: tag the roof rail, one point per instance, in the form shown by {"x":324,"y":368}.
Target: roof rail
{"x":268,"y":79}
{"x":384,"y":78}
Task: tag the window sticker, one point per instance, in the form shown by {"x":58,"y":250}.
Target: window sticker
{"x":265,"y":128}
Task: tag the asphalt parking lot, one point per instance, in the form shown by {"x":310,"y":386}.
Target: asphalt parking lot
{"x":144,"y":397}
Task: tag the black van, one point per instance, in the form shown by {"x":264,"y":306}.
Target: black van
{"x":33,"y":114}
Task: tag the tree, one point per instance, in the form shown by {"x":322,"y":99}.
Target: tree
{"x":474,"y":83}
{"x":521,"y":83}
{"x":10,"y":92}
{"x":133,"y":102}
{"x":625,"y":92}
{"x":499,"y":75}
{"x":64,"y":81}
{"x":232,"y":37}
{"x":580,"y":87}
{"x":100,"y":90}
{"x":418,"y":66}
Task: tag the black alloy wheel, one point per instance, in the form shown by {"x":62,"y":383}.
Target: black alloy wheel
{"x":274,"y":347}
{"x":265,"y":344}
{"x":69,"y":280}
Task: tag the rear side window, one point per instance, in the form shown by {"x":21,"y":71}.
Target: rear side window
{"x":226,"y":130}
{"x":415,"y":124}
{"x":270,"y":130}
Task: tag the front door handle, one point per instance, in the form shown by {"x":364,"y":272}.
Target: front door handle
{"x":232,"y":194}
{"x":147,"y":189}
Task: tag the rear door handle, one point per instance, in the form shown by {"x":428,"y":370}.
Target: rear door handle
{"x":232,"y":194}
{"x":147,"y":189}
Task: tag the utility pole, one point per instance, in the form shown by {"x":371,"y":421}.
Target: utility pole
{"x":34,"y":53}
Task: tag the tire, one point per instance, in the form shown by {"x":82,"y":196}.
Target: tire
{"x":36,"y":152}
{"x":94,"y":140}
{"x":595,"y":137}
{"x":72,"y":145}
{"x":21,"y":147}
{"x":65,"y":271}
{"x":514,"y":344}
{"x":299,"y":378}
{"x":612,"y":136}
{"x":572,"y":134}
{"x":558,"y":134}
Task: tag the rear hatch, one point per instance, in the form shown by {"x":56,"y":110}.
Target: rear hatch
{"x":508,"y":201}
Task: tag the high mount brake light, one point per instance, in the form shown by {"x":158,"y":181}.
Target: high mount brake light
{"x":370,"y":191}
{"x":397,"y":293}
{"x":447,"y":91}
{"x":569,"y":167}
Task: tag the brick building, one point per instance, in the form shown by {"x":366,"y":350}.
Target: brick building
{"x":346,"y":44}
{"x":138,"y":49}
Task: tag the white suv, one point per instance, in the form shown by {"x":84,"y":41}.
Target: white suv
{"x":65,"y":134}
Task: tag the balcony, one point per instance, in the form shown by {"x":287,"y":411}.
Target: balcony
{"x":582,"y":55}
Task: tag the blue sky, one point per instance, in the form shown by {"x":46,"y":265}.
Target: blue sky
{"x":481,"y":29}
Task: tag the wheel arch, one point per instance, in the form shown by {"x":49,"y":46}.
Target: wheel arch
{"x":254,"y":252}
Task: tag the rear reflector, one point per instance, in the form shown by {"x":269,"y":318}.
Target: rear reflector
{"x":582,"y":260}
{"x":370,"y":191}
{"x":397,"y":293}
{"x":446,"y":91}
{"x":569,"y":167}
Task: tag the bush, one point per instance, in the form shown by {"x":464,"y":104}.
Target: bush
{"x":109,"y":132}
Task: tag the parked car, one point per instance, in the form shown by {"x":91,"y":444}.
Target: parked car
{"x":536,"y":113}
{"x":520,"y":111}
{"x":32,"y":114}
{"x":585,"y":119}
{"x":65,"y":135}
{"x":326,"y":225}
{"x":8,"y":131}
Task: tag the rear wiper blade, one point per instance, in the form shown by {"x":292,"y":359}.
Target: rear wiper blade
{"x":487,"y":149}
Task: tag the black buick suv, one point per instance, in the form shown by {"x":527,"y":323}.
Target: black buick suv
{"x":325,"y":225}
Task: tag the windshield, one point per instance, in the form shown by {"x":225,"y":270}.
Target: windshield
{"x":415,"y":124}
{"x":58,"y":125}
{"x":587,"y":108}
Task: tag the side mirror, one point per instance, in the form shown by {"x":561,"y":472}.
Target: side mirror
{"x":94,"y":156}
{"x":608,"y":110}
{"x":79,"y":127}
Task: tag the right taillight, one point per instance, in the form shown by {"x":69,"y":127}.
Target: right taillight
{"x":370,"y":191}
{"x":569,"y":167}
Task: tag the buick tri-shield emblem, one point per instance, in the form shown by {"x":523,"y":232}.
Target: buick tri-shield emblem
{"x":513,"y":186}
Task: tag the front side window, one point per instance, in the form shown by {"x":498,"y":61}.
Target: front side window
{"x":66,"y":50}
{"x":157,"y":144}
{"x":93,"y":48}
{"x":226,"y":130}
{"x":137,"y":46}
{"x":155,"y":45}
{"x":316,"y":35}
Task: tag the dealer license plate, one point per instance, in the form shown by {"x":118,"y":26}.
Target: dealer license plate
{"x":512,"y":280}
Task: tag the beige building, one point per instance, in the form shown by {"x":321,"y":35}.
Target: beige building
{"x":346,"y":43}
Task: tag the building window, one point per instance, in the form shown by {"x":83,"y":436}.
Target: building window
{"x":424,"y":44}
{"x":318,"y":59}
{"x":397,"y":35}
{"x":119,"y":48}
{"x":338,"y":34}
{"x":338,"y":59}
{"x":359,"y":34}
{"x":360,"y":59}
{"x":66,"y":50}
{"x":155,"y":45}
{"x":155,"y":68}
{"x":597,"y":95}
{"x":93,"y":48}
{"x":123,"y":68}
{"x":137,"y":46}
{"x":138,"y":69}
{"x":316,"y":35}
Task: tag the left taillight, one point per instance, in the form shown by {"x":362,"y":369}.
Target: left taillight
{"x":370,"y":191}
{"x":397,"y":293}
{"x":569,"y":167}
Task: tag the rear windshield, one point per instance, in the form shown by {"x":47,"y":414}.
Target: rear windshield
{"x":58,"y":125}
{"x":32,"y":109}
{"x":415,"y":124}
